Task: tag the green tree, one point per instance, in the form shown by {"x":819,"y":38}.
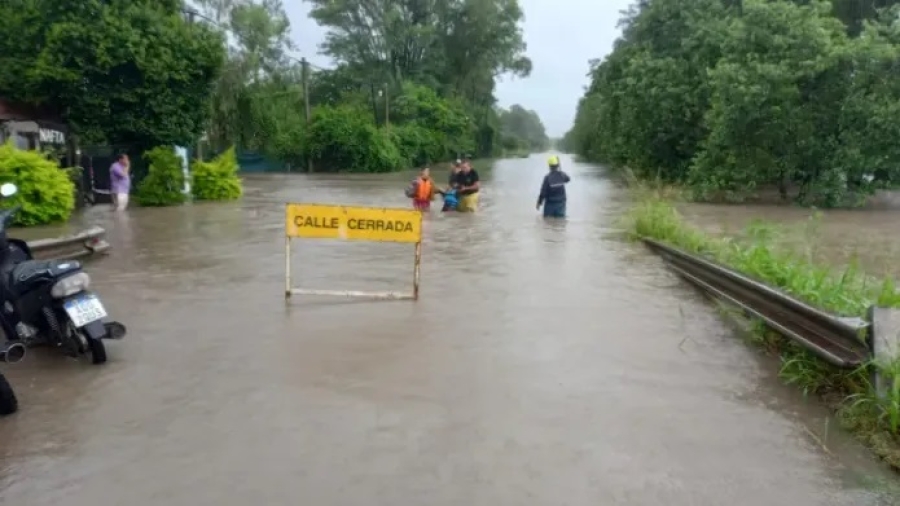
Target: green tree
{"x":523,"y":130}
{"x":441,"y":127}
{"x":457,"y":47}
{"x":119,"y":71}
{"x":773,"y":117}
{"x":342,"y":138}
{"x":729,"y":100}
{"x":259,"y":96}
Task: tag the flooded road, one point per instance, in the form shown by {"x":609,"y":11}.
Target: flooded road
{"x":546,"y":363}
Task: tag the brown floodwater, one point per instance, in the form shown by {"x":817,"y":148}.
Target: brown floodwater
{"x":870,"y":238}
{"x":546,"y":363}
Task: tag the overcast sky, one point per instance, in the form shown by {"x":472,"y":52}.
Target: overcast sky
{"x":562,"y":35}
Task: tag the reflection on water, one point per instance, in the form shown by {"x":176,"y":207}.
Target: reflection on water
{"x":546,"y":362}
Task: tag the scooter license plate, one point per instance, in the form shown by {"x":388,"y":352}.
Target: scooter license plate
{"x":84,"y":309}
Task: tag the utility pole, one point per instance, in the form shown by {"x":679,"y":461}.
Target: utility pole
{"x":198,"y":154}
{"x":184,"y":153}
{"x":387,"y":108}
{"x":305,"y":68}
{"x":374,"y":103}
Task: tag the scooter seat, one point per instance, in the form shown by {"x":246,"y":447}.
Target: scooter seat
{"x":26,"y":275}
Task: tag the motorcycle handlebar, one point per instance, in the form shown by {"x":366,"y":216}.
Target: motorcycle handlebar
{"x":7,"y":215}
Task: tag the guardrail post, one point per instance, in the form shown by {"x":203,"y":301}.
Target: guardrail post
{"x":884,"y":342}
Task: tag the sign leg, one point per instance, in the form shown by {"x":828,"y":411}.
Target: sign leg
{"x":417,"y":270}
{"x":287,"y":267}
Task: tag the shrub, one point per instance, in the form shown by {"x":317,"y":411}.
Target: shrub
{"x":345,"y":139}
{"x":46,"y":193}
{"x":417,"y":145}
{"x":218,"y":179}
{"x":164,"y":183}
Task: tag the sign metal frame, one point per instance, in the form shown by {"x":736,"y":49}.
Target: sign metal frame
{"x":357,"y":215}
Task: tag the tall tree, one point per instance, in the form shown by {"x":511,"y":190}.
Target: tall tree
{"x":259,"y":92}
{"x":120,"y":71}
{"x":772,"y":95}
{"x":459,"y":46}
{"x":522,"y":129}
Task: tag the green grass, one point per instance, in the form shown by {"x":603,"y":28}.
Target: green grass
{"x":847,"y":291}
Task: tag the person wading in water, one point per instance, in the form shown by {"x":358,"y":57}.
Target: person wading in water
{"x":422,"y":190}
{"x":469,"y":184}
{"x":120,"y":179}
{"x":553,"y":191}
{"x":454,"y":173}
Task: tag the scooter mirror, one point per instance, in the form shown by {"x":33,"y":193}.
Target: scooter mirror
{"x":8,"y":189}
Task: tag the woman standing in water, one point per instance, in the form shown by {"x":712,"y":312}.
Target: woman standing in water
{"x":120,"y":179}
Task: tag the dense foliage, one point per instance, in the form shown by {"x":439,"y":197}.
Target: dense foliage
{"x":217,"y":179}
{"x":421,"y":75}
{"x":164,"y":184}
{"x":218,"y":73}
{"x":339,"y":138}
{"x":732,"y":98}
{"x":46,"y":193}
{"x":523,"y":131}
{"x":119,"y":71}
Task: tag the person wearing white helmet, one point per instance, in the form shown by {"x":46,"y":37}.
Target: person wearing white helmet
{"x":553,"y":191}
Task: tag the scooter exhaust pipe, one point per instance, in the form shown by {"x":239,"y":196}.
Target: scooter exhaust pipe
{"x":12,"y":353}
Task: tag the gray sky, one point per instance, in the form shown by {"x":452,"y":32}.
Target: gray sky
{"x":562,"y":35}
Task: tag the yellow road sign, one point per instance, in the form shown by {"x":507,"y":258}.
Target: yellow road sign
{"x":318,"y":221}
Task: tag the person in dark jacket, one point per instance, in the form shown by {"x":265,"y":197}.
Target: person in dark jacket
{"x":553,"y":191}
{"x":454,"y":173}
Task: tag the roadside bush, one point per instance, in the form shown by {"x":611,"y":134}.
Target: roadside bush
{"x":417,"y":145}
{"x":218,"y":179}
{"x":46,"y":193}
{"x":848,"y":291}
{"x":439,"y":127}
{"x":164,"y":183}
{"x":344,"y":139}
{"x":288,"y":145}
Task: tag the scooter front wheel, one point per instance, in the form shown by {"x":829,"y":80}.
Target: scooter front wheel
{"x":9,"y":404}
{"x":85,"y":342}
{"x":98,"y":350}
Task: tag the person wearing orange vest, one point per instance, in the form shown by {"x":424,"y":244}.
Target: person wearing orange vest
{"x":422,"y":190}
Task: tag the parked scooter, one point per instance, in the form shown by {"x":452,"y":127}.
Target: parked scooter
{"x":49,"y":299}
{"x":11,"y":353}
{"x":8,"y":402}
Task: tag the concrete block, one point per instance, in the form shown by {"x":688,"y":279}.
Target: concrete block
{"x":884,"y":342}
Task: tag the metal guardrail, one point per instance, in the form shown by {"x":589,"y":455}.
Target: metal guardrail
{"x":87,"y":242}
{"x":841,"y":341}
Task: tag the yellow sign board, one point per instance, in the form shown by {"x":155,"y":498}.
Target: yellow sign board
{"x":318,"y":221}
